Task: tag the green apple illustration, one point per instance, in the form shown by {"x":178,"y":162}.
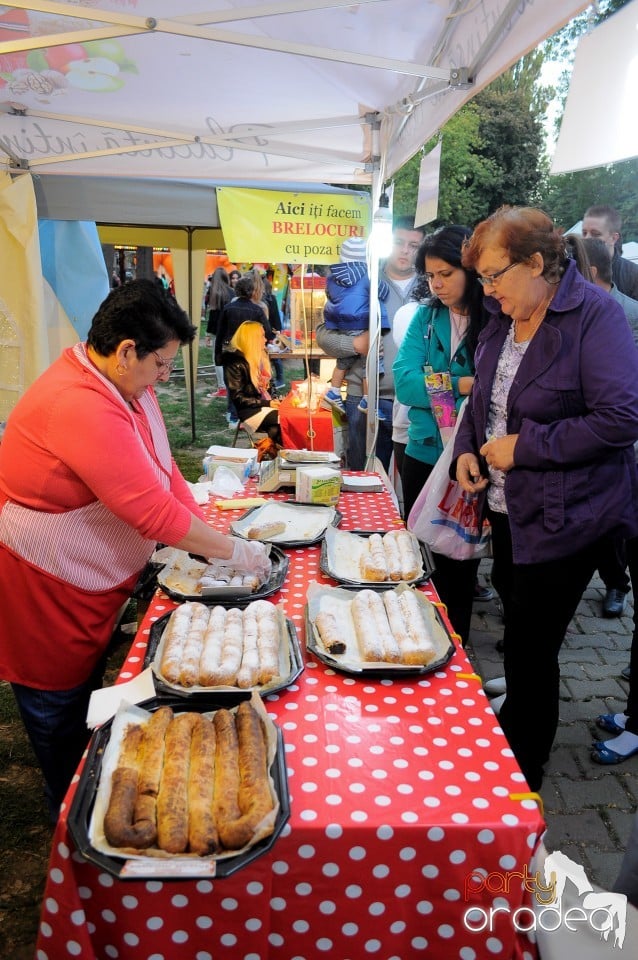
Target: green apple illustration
{"x":37,"y":61}
{"x":112,"y":50}
{"x":96,"y":74}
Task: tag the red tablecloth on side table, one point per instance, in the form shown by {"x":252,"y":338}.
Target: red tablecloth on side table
{"x":407,"y":808}
{"x":302,"y":430}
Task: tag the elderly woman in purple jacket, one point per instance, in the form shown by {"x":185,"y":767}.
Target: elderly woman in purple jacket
{"x":547,"y":443}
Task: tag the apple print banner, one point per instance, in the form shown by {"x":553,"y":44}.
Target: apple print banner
{"x":94,"y":65}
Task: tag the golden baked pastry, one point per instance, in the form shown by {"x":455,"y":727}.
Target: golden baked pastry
{"x":189,"y":784}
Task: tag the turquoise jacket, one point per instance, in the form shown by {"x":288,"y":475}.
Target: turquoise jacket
{"x":427,"y":342}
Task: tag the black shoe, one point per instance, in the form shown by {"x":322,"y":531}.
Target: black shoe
{"x":626,"y":673}
{"x":483,"y":593}
{"x":614,"y":603}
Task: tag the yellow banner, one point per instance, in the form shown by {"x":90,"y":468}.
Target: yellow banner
{"x":281,"y":227}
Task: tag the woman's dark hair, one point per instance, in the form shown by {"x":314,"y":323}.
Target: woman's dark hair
{"x":446,"y":244}
{"x":234,"y":275}
{"x":220,"y":290}
{"x":139,"y":310}
{"x":576,"y":249}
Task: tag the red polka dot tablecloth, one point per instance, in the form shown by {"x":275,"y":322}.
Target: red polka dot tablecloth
{"x":410,"y":833}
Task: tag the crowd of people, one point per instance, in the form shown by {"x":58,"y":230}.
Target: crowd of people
{"x":536,"y":333}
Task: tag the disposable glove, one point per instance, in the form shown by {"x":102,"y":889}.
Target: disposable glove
{"x":249,"y":557}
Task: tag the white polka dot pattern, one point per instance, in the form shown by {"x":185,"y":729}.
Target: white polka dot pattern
{"x":400,"y":793}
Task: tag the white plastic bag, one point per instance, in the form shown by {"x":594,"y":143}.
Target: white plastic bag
{"x":225,"y":483}
{"x":445,"y":517}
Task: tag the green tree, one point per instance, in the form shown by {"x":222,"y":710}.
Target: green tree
{"x":569,"y":194}
{"x":493,"y":149}
{"x":491,"y":153}
{"x":464,"y":174}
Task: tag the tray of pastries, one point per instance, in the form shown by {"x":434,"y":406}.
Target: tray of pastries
{"x":376,"y":559}
{"x":197,"y":649}
{"x":295,"y":458}
{"x":287,"y":523}
{"x":371,"y":633}
{"x":185,"y":577}
{"x":170,"y":792}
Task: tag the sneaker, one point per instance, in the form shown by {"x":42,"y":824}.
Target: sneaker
{"x":363,"y":407}
{"x":280,"y":386}
{"x":232,"y":424}
{"x":484,"y":594}
{"x":334,"y":398}
{"x":614,"y":603}
{"x":220,"y":394}
{"x":495,"y":687}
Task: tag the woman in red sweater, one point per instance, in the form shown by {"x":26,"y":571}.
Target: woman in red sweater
{"x":88,"y":487}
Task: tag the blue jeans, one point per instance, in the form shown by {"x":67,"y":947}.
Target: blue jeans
{"x":356,"y":453}
{"x":55,"y":721}
{"x":278,"y":368}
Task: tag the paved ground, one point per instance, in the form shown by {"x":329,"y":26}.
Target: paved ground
{"x":589,"y":808}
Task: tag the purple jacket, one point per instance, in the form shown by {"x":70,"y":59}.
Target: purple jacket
{"x":574,"y":404}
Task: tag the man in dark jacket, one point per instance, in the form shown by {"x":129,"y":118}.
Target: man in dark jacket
{"x":604,"y":222}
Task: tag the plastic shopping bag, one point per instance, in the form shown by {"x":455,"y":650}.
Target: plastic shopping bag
{"x":445,"y":517}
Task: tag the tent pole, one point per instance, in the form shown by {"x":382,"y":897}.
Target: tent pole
{"x":191,"y":363}
{"x":372,"y":362}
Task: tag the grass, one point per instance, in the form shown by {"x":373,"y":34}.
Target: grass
{"x":25,"y":833}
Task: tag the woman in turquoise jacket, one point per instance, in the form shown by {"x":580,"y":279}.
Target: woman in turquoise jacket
{"x":442,"y":336}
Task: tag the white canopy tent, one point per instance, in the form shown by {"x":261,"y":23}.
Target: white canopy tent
{"x":310,"y":91}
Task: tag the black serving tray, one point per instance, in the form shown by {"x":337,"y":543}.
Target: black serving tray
{"x":296,"y":666}
{"x":236,"y":525}
{"x":389,"y":672}
{"x":229,"y":596}
{"x":79,"y":817}
{"x":426,"y":559}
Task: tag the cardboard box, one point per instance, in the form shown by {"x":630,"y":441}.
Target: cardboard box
{"x":318,"y":485}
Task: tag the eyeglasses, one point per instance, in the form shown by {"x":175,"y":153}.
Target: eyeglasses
{"x":165,"y":366}
{"x":490,"y":281}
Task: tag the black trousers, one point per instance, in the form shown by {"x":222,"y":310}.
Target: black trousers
{"x":612,"y":564}
{"x":454,"y":581}
{"x":532,"y":640}
{"x":414,"y":473}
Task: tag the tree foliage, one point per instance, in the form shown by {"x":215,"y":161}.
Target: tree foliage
{"x":493,"y":149}
{"x":491,"y":152}
{"x":569,"y":194}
